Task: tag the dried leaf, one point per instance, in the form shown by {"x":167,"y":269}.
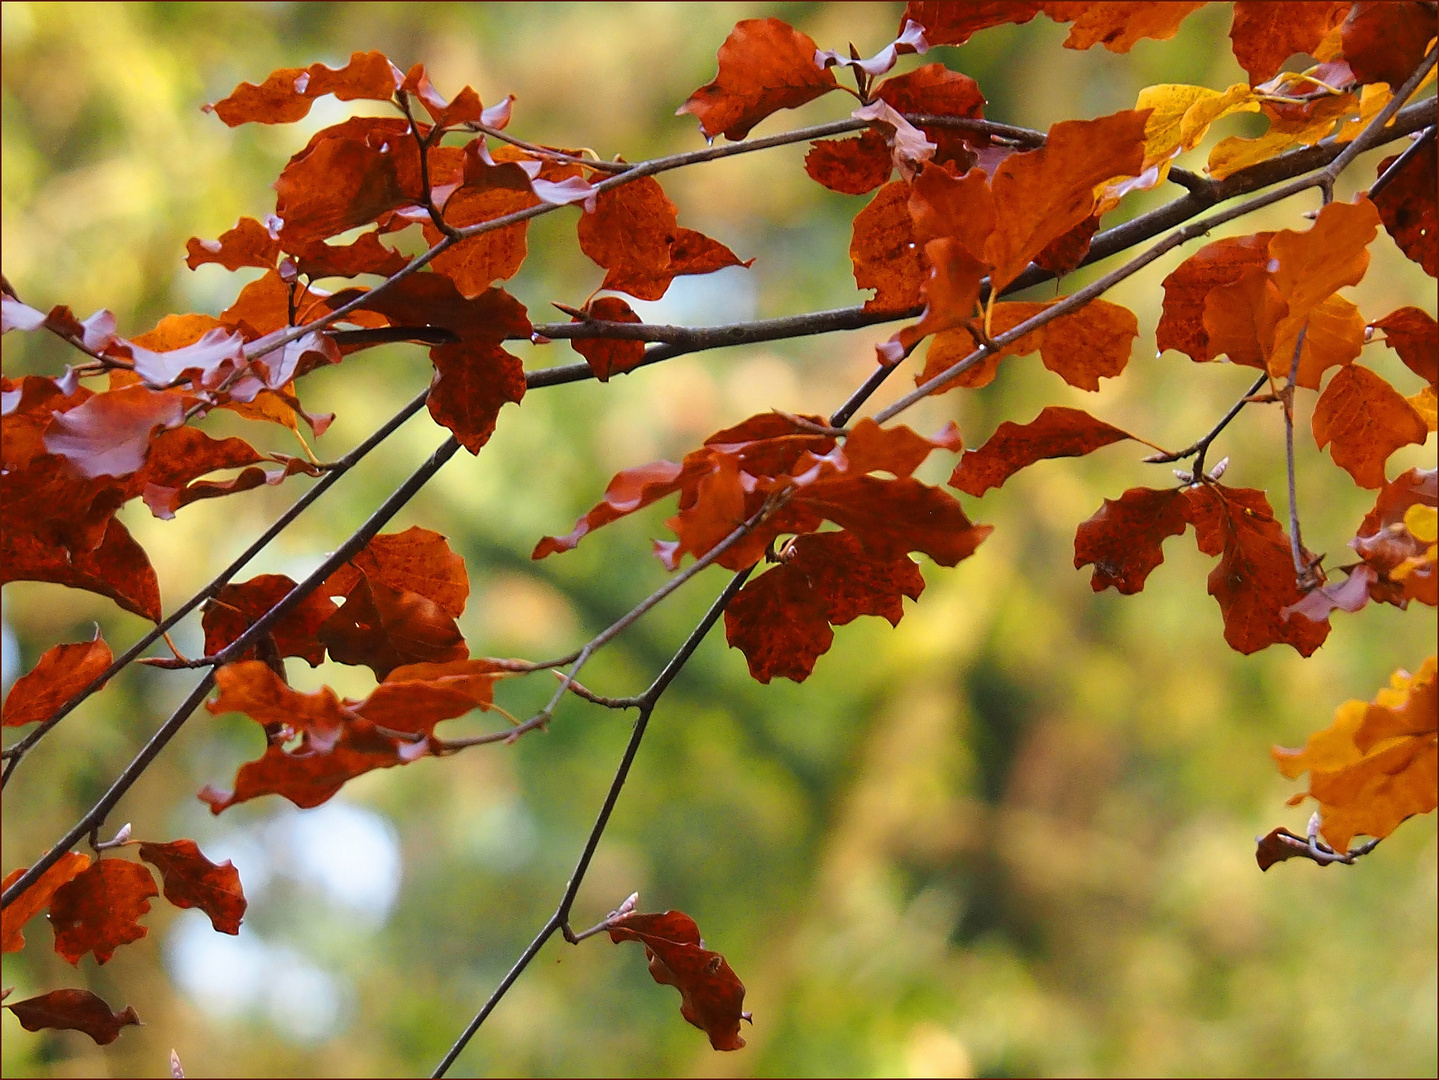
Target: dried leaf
{"x":1408,"y":207}
{"x":98,"y":909}
{"x":1055,"y":432}
{"x":73,"y":1010}
{"x":609,"y":356}
{"x":191,"y":880}
{"x":36,"y":898}
{"x":287,"y":94}
{"x":473,"y":381}
{"x":884,"y":251}
{"x":1267,"y":33}
{"x":954,"y":24}
{"x":1124,"y":539}
{"x":1366,"y":419}
{"x":1119,"y":26}
{"x":62,"y":673}
{"x":237,"y":607}
{"x":1385,"y":42}
{"x":1414,"y":335}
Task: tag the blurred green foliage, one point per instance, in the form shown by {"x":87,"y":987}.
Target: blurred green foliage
{"x":1013,"y":836}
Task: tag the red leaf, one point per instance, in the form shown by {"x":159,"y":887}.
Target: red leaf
{"x":629,"y":491}
{"x":1064,"y":253}
{"x":779,"y":623}
{"x":1055,"y":432}
{"x":99,"y":909}
{"x":248,"y":244}
{"x":1188,"y":287}
{"x":1407,"y":207}
{"x":191,"y":880}
{"x":1385,"y":42}
{"x":1124,"y":537}
{"x":1119,"y":26}
{"x":416,"y":560}
{"x":850,"y":166}
{"x":117,"y":568}
{"x":629,"y":233}
{"x":416,"y":697}
{"x":954,"y":24}
{"x":898,"y":450}
{"x":384,"y":628}
{"x":73,"y":1010}
{"x":36,"y":898}
{"x":1400,"y":567}
{"x":884,"y":251}
{"x":1042,"y":194}
{"x":109,"y":434}
{"x":252,"y":688}
{"x":934,"y":90}
{"x":1367,"y":420}
{"x":609,"y":356}
{"x":1414,"y":335}
{"x":235,"y":608}
{"x":366,"y":255}
{"x":287,"y":94}
{"x":1255,"y":581}
{"x":348,"y":175}
{"x":892,"y":517}
{"x":473,"y":381}
{"x":61,"y":673}
{"x":478,"y":262}
{"x":429,"y":299}
{"x":711,"y":995}
{"x":764,"y":65}
{"x":1266,"y":33}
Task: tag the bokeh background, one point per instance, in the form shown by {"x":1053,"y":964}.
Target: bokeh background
{"x":1013,"y":836}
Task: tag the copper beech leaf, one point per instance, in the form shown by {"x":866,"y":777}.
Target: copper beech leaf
{"x":236,"y":607}
{"x":1366,"y":420}
{"x":1408,"y":207}
{"x":609,"y":356}
{"x":286,"y":96}
{"x":711,"y":995}
{"x":385,"y":628}
{"x":1376,"y":764}
{"x":764,"y":65}
{"x":62,"y":673}
{"x":1119,"y":26}
{"x":249,"y":243}
{"x":98,"y":909}
{"x":954,"y":24}
{"x":1124,"y":539}
{"x":883,"y":251}
{"x":73,"y":1010}
{"x":416,"y":560}
{"x":1384,"y":42}
{"x":36,"y":898}
{"x":472,"y":382}
{"x":1414,"y":335}
{"x":191,"y":880}
{"x":117,"y":567}
{"x":1265,"y":33}
{"x":1055,"y":432}
{"x":1399,"y":553}
{"x":781,"y":620}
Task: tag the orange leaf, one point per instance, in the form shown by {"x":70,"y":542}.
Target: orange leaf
{"x":1376,"y":764}
{"x":416,"y":560}
{"x":191,"y":880}
{"x":61,"y":673}
{"x":1043,"y":194}
{"x":1188,"y":287}
{"x":287,"y":94}
{"x":884,"y":251}
{"x":1414,"y":335}
{"x":934,"y":90}
{"x":1367,"y":420}
{"x":98,"y":909}
{"x":850,"y":166}
{"x":109,"y":434}
{"x":1385,"y":42}
{"x":1124,"y":539}
{"x":36,"y":898}
{"x":1119,"y":26}
{"x":250,"y":687}
{"x":348,"y":175}
{"x":1055,"y":432}
{"x":629,"y":491}
{"x":248,"y":244}
{"x":473,"y":381}
{"x":73,"y":1010}
{"x":385,"y":628}
{"x":764,"y":65}
{"x":1266,"y":33}
{"x":954,"y":24}
{"x":117,"y":567}
{"x":478,"y":262}
{"x":609,"y":356}
{"x":711,"y":996}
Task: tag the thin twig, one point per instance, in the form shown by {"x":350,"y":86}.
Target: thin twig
{"x":1413,"y":150}
{"x":1201,"y":445}
{"x":560,"y":919}
{"x":1302,"y":571}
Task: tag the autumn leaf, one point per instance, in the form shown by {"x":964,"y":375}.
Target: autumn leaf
{"x":1119,"y":26}
{"x":99,"y":908}
{"x":1407,"y":207}
{"x":954,"y":24}
{"x":609,"y":356}
{"x":1385,"y":42}
{"x":1266,"y":33}
{"x":884,"y":252}
{"x":1376,"y":764}
{"x":249,"y":243}
{"x":711,"y":995}
{"x":1124,"y":538}
{"x":117,"y":567}
{"x":1397,"y":544}
{"x":1189,"y":285}
{"x":109,"y":434}
{"x":62,"y":673}
{"x":73,"y":1010}
{"x":36,"y":898}
{"x":1366,"y":420}
{"x":191,"y":880}
{"x":417,"y":560}
{"x":1055,"y":432}
{"x":764,"y":65}
{"x":472,"y":382}
{"x":385,"y":628}
{"x":286,"y":96}
{"x":1414,"y":335}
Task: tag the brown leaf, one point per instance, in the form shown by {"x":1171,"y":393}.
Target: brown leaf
{"x":431,"y":299}
{"x":1254,"y":582}
{"x":384,"y":628}
{"x":934,"y":90}
{"x":416,"y":560}
{"x":478,"y":262}
{"x":36,"y":898}
{"x":117,"y":568}
{"x":1414,"y":335}
{"x":1377,"y":763}
{"x":893,"y":517}
{"x":884,"y":251}
{"x":1187,"y":289}
{"x":954,"y":24}
{"x":73,"y":1010}
{"x":1266,"y":33}
{"x":629,"y":491}
{"x":1055,"y":432}
{"x":416,"y":697}
{"x":1408,"y":207}
{"x":366,"y":255}
{"x":249,"y":243}
{"x":191,"y":880}
{"x":287,"y":94}
{"x":1367,"y":420}
{"x":609,"y":356}
{"x":98,"y":909}
{"x":1385,"y":42}
{"x":348,"y":175}
{"x":237,"y":607}
{"x":1278,"y":844}
{"x":711,"y":995}
{"x":61,"y":673}
{"x":252,"y":688}
{"x":850,"y":166}
{"x":109,"y":434}
{"x":1124,"y":539}
{"x":1118,"y":26}
{"x":764,"y":65}
{"x":473,"y":381}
